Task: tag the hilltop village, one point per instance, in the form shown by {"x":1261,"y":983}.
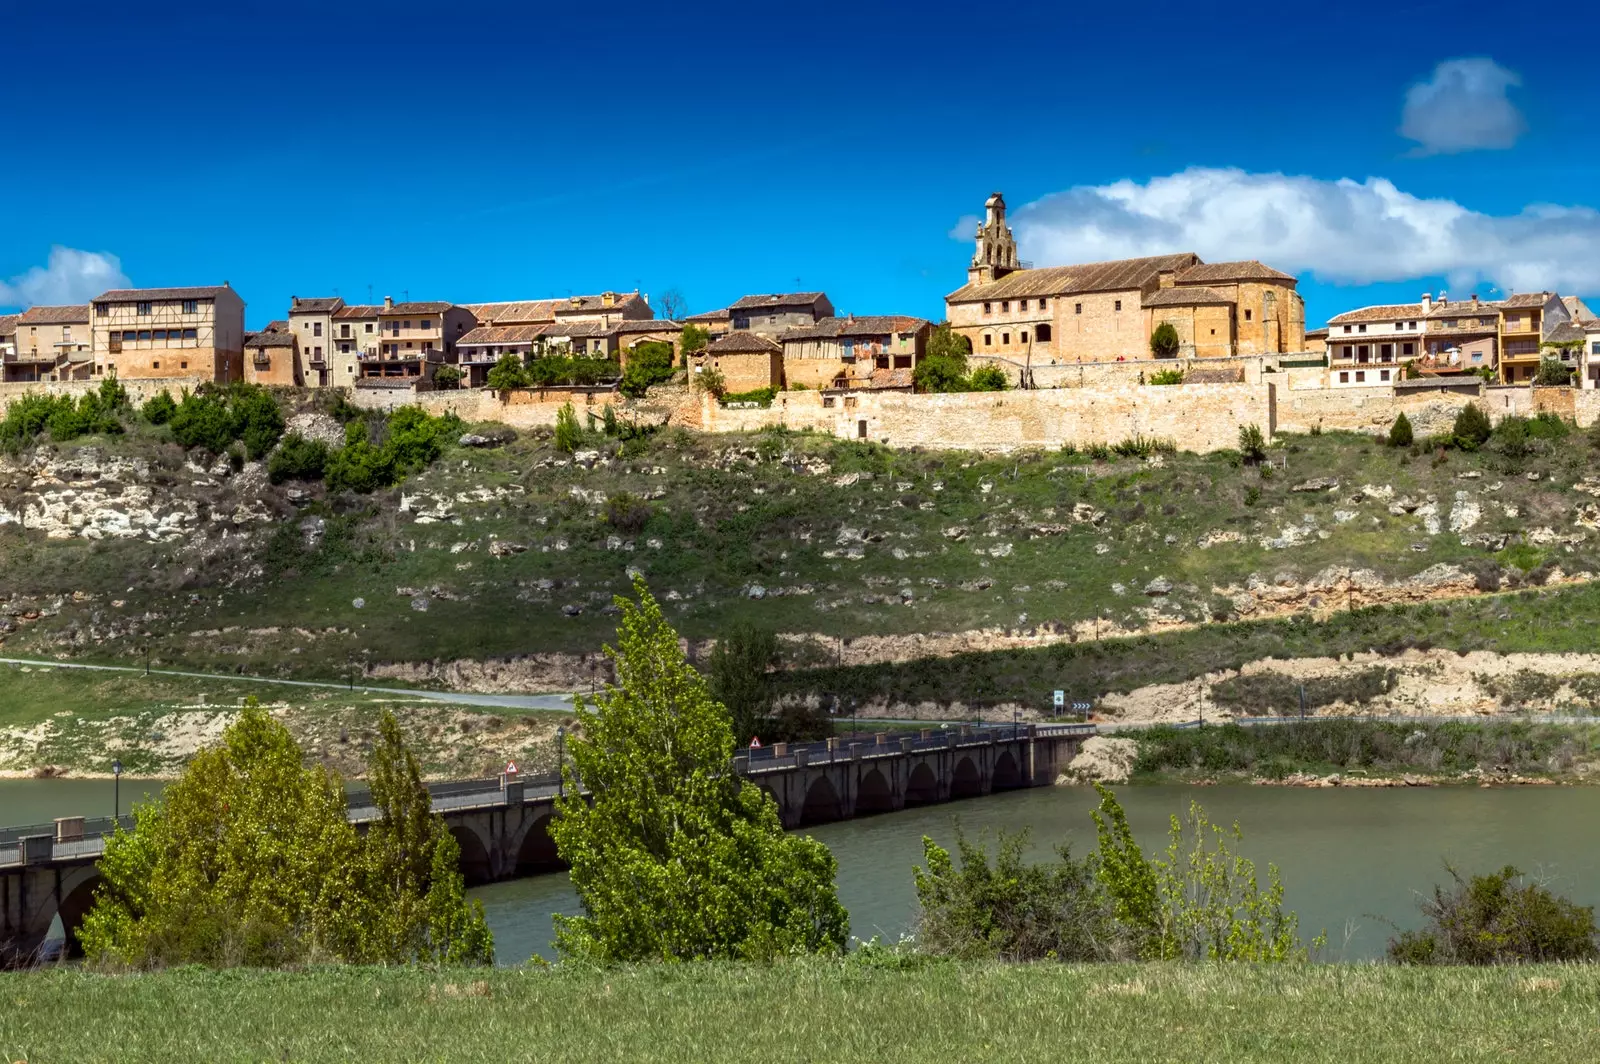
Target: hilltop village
{"x":1086,"y":349}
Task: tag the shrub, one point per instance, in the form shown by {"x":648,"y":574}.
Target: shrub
{"x":358,"y":465}
{"x":649,"y":363}
{"x":1252,"y":444}
{"x":693,"y":339}
{"x":1100,"y":452}
{"x":507,"y":374}
{"x":1164,"y":341}
{"x":988,"y":378}
{"x":568,"y":434}
{"x":257,"y":419}
{"x":297,"y":458}
{"x":941,"y":373}
{"x":1510,"y":438}
{"x":1142,"y":447}
{"x":1400,"y":432}
{"x":627,"y":513}
{"x":1552,"y":372}
{"x":1498,"y":919}
{"x":1547,"y":425}
{"x":711,"y":381}
{"x":1167,"y":376}
{"x":1471,"y":428}
{"x":447,"y":377}
{"x":763,"y":396}
{"x":159,"y":408}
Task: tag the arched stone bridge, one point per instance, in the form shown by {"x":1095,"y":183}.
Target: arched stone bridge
{"x":503,"y":825}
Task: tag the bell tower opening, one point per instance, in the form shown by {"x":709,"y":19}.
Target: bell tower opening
{"x":996,"y":252}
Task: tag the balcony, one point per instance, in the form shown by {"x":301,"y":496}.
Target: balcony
{"x":399,"y":356}
{"x":31,"y":358}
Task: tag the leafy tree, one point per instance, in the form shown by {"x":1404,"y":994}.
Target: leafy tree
{"x":1552,"y":372}
{"x":711,"y":381}
{"x":673,"y":856}
{"x":159,"y":408}
{"x":1013,"y":911}
{"x":1400,"y":432}
{"x":247,"y":859}
{"x":941,"y":373}
{"x":358,"y":465}
{"x":297,"y":458}
{"x":1472,"y":428}
{"x":693,"y":340}
{"x":736,"y":675}
{"x":413,"y":893}
{"x":257,"y":419}
{"x":648,"y":363}
{"x":988,"y":378}
{"x":1498,"y":919}
{"x":416,"y":439}
{"x":1164,"y":341}
{"x":507,"y":374}
{"x":202,"y":420}
{"x":945,"y":342}
{"x":568,"y":433}
{"x":447,"y":377}
{"x":1252,"y":444}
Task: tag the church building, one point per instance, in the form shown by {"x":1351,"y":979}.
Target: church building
{"x":1106,"y":311}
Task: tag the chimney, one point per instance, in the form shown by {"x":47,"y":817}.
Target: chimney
{"x":294,"y":302}
{"x":1427,"y":304}
{"x":1474,"y":297}
{"x":388,"y":302}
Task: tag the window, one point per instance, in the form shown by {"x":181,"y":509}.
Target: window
{"x":183,"y":365}
{"x":1005,"y":338}
{"x":344,"y":332}
{"x":344,"y":349}
{"x":1344,"y":376}
{"x":988,"y":340}
{"x":129,"y":334}
{"x":189,"y":334}
{"x":1361,"y":328}
{"x":155,"y":365}
{"x":1119,"y":305}
{"x":144,"y":334}
{"x":1347,"y":328}
{"x":861,"y":430}
{"x":1024,"y":336}
{"x":1022,"y":304}
{"x":316,"y":352}
{"x":1247,"y":315}
{"x":1005,"y":305}
{"x":101,"y":310}
{"x":1383,"y":375}
{"x":191,"y":306}
{"x":1077,"y":308}
{"x":143,"y":309}
{"x":369,"y":326}
{"x":1360,"y":376}
{"x":316,"y":329}
{"x":1407,"y":349}
{"x":1043,"y":302}
{"x":394,"y":328}
{"x":1386,"y":352}
{"x":1363,"y":353}
{"x":161,"y":334}
{"x":1042,"y":334}
{"x":408,"y":326}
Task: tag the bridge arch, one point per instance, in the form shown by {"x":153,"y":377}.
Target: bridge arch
{"x":537,"y":853}
{"x":475,"y":867}
{"x":74,"y":907}
{"x":873,"y":794}
{"x":822,"y":803}
{"x":1007,"y":774}
{"x":922,"y":786}
{"x":965,"y":780}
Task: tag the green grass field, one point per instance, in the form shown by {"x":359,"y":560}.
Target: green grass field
{"x":809,"y":1011}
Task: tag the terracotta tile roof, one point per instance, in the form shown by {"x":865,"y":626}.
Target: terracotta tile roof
{"x":150,"y":295}
{"x":416,"y":308}
{"x":742,"y":343}
{"x":318,"y":305}
{"x":866,"y":325}
{"x":521,"y":312}
{"x":559,"y":329}
{"x":644,"y":325}
{"x":357,"y":312}
{"x":1464,"y":307}
{"x":710,"y":315}
{"x":1385,"y":312}
{"x":1317,"y":334}
{"x":891,"y":378}
{"x":8,"y":324}
{"x":276,"y":334}
{"x":1112,"y":276}
{"x":1244,"y":270}
{"x":69,"y":315}
{"x":1578,"y":309}
{"x":590,"y":304}
{"x":1526,"y":299}
{"x":781,"y":299}
{"x":1590,"y":326}
{"x":1187,"y":296}
{"x":1564,"y":333}
{"x":500,"y":334}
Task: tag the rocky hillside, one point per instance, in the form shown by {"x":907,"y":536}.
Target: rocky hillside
{"x":495,"y":568}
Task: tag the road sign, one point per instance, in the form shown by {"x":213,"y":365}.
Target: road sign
{"x":1061,"y":699}
{"x":1082,"y":707}
{"x":511,"y":768}
{"x":755,"y":742}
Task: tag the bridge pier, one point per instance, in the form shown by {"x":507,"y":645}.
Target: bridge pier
{"x":34,"y":894}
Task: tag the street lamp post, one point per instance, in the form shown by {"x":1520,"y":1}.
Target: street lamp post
{"x":561,"y":761}
{"x":116,"y":790}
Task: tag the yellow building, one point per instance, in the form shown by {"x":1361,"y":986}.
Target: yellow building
{"x":51,"y":344}
{"x":271,"y":357}
{"x":1106,"y":311}
{"x":1524,"y":321}
{"x":144,"y":333}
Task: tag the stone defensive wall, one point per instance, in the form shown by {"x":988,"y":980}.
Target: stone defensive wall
{"x":1196,"y":417}
{"x":138,"y":390}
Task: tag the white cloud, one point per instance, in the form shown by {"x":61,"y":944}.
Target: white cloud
{"x":1462,"y":108}
{"x":70,"y":276}
{"x":1342,"y":231}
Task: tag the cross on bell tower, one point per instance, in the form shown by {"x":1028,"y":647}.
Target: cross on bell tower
{"x":996,"y":253}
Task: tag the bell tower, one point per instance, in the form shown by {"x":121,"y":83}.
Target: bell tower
{"x":996,"y":253}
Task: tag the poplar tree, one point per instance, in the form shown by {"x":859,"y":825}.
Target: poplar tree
{"x":674,"y":857}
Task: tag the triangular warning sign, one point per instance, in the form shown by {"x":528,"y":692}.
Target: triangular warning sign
{"x":511,"y":768}
{"x":755,"y":742}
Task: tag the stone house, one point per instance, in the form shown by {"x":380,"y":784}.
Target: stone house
{"x":773,"y":315}
{"x":50,"y":344}
{"x":271,"y":357}
{"x":1589,"y":372}
{"x":630,"y":334}
{"x":1317,"y":341}
{"x":1460,"y":336}
{"x":1365,"y":342}
{"x":746,"y":360}
{"x":355,"y":336}
{"x":1526,"y":321}
{"x":480,"y":348}
{"x":152,"y":333}
{"x":311,"y":322}
{"x":715,"y":322}
{"x":1106,"y":311}
{"x":816,"y":355}
{"x":415,"y":338}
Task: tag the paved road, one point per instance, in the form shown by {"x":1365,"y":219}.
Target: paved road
{"x":548,"y":702}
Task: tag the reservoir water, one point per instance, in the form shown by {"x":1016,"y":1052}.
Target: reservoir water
{"x":1350,"y":859}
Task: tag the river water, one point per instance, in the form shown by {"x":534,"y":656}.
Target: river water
{"x":1350,"y":859}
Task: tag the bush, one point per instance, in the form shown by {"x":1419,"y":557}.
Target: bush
{"x":1546,"y":425}
{"x":507,"y":374}
{"x":214,"y":418}
{"x":568,"y":433}
{"x":1400,"y":432}
{"x":297,"y":458}
{"x":257,"y":420}
{"x":1552,"y":372}
{"x":711,"y":381}
{"x":1166,"y":376}
{"x":358,"y":465}
{"x":627,"y":513}
{"x":649,"y":363}
{"x":1498,"y":919}
{"x":1274,"y":692}
{"x":1472,"y":427}
{"x":1252,"y":444}
{"x":941,"y":373}
{"x":447,"y":377}
{"x":159,"y":408}
{"x":1164,"y":341}
{"x":693,"y":340}
{"x":763,"y":396}
{"x":988,"y":378}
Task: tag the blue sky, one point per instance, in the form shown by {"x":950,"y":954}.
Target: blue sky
{"x":476,"y":151}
